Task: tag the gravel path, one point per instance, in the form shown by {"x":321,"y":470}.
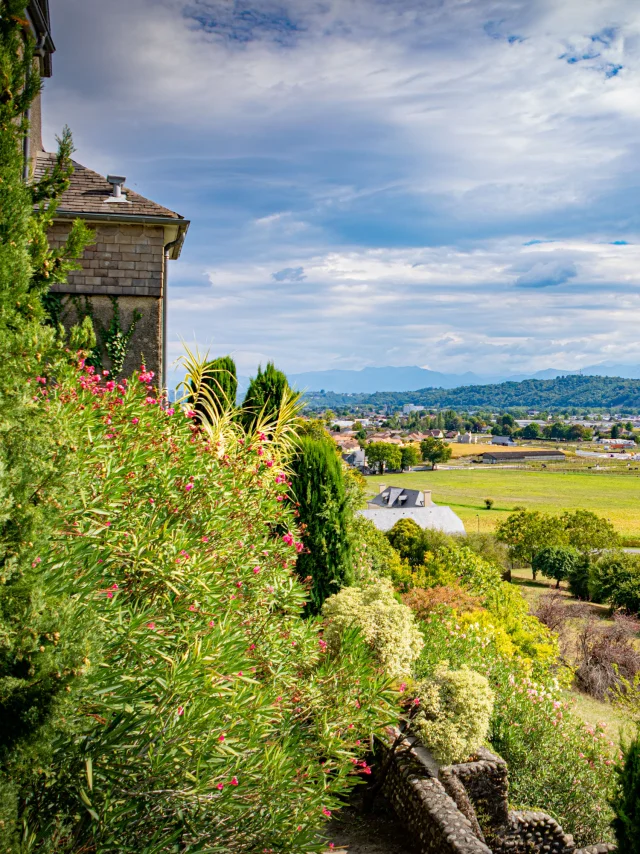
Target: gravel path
{"x":377,"y":833}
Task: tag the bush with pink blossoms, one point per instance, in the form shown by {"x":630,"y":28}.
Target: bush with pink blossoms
{"x":209,"y":715}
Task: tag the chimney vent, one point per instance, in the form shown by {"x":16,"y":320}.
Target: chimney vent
{"x":116,"y":182}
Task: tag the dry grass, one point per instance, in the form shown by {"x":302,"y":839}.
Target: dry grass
{"x":459,"y":449}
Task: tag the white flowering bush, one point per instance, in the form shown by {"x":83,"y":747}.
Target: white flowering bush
{"x":387,"y":626}
{"x":456,"y":708}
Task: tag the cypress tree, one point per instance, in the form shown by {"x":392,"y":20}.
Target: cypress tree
{"x":264,"y":394}
{"x":219,"y":386}
{"x":319,"y":490}
{"x":626,"y":803}
{"x":38,"y":650}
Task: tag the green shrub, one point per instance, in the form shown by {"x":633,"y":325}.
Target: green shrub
{"x":456,"y":707}
{"x":579,"y":580}
{"x":387,"y":626}
{"x":413,"y":542}
{"x":461,"y":565}
{"x":324,"y":517}
{"x":264,"y":396}
{"x":218,"y":387}
{"x":373,"y":556}
{"x":615,"y":579}
{"x":626,"y":799}
{"x":555,"y":562}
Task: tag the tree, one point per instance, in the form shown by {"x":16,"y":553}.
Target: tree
{"x":626,"y":800}
{"x":435,"y":451}
{"x":555,"y":562}
{"x":406,"y":537}
{"x":385,"y":455}
{"x":589,"y":533}
{"x":36,"y":442}
{"x":321,"y":501}
{"x":219,"y":386}
{"x":527,"y":532}
{"x":409,"y":456}
{"x":531,"y":431}
{"x":264,"y":395}
{"x":615,"y":432}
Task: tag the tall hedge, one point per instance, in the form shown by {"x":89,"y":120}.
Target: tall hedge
{"x":319,"y":492}
{"x":264,"y":394}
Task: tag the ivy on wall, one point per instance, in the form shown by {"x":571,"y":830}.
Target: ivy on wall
{"x":112,"y":340}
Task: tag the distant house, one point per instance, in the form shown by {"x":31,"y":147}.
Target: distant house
{"x":452,"y":434}
{"x":493,"y":457}
{"x":393,"y":503}
{"x":411,"y":407}
{"x":436,"y":434}
{"x":502,"y":440}
{"x":356,"y":459}
{"x":618,"y":443}
{"x":467,"y":439}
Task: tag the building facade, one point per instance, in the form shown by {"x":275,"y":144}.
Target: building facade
{"x":122,"y":285}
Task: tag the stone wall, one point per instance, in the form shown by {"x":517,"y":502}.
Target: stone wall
{"x":464,"y":808}
{"x":127,"y":262}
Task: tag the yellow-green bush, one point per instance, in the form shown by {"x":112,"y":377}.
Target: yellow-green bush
{"x":387,"y":626}
{"x":456,"y":708}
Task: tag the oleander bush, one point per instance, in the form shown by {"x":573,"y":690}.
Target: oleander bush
{"x":387,"y":626}
{"x":206,"y":712}
{"x":455,"y":710}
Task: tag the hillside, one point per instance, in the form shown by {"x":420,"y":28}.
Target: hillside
{"x":573,"y":391}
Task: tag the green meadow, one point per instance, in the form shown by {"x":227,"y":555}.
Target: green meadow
{"x":613,"y":495}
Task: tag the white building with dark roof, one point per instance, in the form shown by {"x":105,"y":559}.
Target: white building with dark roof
{"x":393,"y":503}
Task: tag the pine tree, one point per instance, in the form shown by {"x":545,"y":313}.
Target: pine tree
{"x":264,"y":395}
{"x":319,"y":489}
{"x":220,"y":385}
{"x":37,"y":653}
{"x":626,"y":803}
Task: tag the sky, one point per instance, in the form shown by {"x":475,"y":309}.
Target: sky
{"x":453,"y":184}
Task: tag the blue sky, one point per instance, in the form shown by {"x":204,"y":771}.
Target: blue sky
{"x":447,"y":183}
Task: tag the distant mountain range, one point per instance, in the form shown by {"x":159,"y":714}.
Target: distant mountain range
{"x":412,"y":378}
{"x":572,"y":391}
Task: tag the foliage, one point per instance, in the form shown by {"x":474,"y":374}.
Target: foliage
{"x":589,"y":533}
{"x":179,"y":575}
{"x":615,"y":579}
{"x":264,"y":396}
{"x":320,"y":499}
{"x":461,"y":565}
{"x":423,"y":602}
{"x":385,"y":455}
{"x":488,"y":548}
{"x":456,"y":707}
{"x":556,"y":763}
{"x":488,"y":503}
{"x":435,"y":451}
{"x":112,"y":341}
{"x":527,"y":532}
{"x":373,"y":555}
{"x":413,"y":543}
{"x":41,"y":649}
{"x":579,"y":579}
{"x":386,"y":625}
{"x":313,"y":427}
{"x":555,"y":562}
{"x":409,"y":456}
{"x":218,"y":387}
{"x":626,"y":799}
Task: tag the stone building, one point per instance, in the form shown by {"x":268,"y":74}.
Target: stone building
{"x":124,"y":274}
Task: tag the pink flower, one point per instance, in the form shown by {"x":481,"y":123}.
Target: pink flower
{"x":180,"y":711}
{"x":220,"y":786}
{"x":152,"y":501}
{"x":170,"y":411}
{"x":279,"y":497}
{"x":326,"y":812}
{"x":234,"y":781}
{"x":109,"y":595}
{"x":110,"y":385}
{"x":403,"y":687}
{"x":37,"y":561}
{"x":190,"y":413}
{"x":221,"y":737}
{"x":151,"y":625}
{"x":238,"y":584}
{"x":211,"y":623}
{"x":192,"y":607}
{"x":288,"y":539}
{"x":188,"y":487}
{"x":239,"y":672}
{"x":322,"y":644}
{"x":299,"y":546}
{"x":268,"y":463}
{"x":256,"y":570}
{"x":135,"y":420}
{"x":205,"y":539}
{"x":114,"y":586}
{"x":150,"y":401}
{"x":251,"y":646}
{"x":108,"y":524}
{"x":281,"y":478}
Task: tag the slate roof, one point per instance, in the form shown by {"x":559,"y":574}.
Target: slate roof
{"x":89,"y":190}
{"x":394,"y":497}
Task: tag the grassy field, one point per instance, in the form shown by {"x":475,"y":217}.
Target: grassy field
{"x":459,"y":449}
{"x":615,"y":496}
